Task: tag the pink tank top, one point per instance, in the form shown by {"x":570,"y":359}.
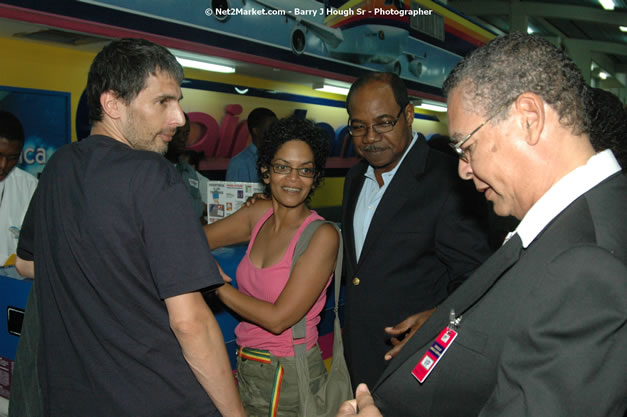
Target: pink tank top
{"x":267,"y":284}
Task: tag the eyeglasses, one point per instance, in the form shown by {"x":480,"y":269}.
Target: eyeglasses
{"x":457,"y":146}
{"x":383,"y":127}
{"x":282,"y":169}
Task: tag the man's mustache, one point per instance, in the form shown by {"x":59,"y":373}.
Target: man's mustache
{"x":373,"y":148}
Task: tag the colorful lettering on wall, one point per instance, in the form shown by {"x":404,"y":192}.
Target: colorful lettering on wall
{"x":231,"y":136}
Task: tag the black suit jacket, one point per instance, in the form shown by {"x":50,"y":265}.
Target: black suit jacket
{"x":543,"y":330}
{"x":428,"y":231}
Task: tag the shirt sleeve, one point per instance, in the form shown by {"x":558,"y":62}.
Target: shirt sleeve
{"x":177,"y":249}
{"x":235,"y":170}
{"x":203,"y":184}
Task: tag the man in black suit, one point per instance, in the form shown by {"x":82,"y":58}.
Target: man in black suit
{"x":540,"y":328}
{"x":411,"y":228}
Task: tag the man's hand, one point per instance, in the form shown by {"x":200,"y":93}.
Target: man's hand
{"x":253,"y":198}
{"x":408,"y":326}
{"x":363,"y":405}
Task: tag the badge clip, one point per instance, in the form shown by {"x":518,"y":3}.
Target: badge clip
{"x":438,"y":348}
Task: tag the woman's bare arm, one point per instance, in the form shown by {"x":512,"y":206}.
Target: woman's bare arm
{"x":307,"y":280}
{"x":237,"y":227}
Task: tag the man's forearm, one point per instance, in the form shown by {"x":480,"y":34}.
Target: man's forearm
{"x":203,"y":348}
{"x":25,"y":268}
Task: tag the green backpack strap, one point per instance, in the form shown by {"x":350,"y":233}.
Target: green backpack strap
{"x":299,"y":329}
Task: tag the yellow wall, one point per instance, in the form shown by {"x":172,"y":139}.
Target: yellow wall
{"x":29,"y":64}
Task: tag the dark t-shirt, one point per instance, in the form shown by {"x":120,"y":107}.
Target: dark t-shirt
{"x":113,"y":234}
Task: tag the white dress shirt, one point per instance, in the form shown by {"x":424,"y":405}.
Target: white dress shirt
{"x":563,"y":193}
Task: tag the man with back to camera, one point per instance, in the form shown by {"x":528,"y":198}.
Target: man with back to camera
{"x":120,"y":260}
{"x":243,"y":166}
{"x":540,"y":326}
{"x":411,"y":228}
{"x":16,"y":185}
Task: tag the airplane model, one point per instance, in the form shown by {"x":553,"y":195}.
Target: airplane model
{"x":375,"y":33}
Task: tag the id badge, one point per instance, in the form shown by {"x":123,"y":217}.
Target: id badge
{"x":434,"y":354}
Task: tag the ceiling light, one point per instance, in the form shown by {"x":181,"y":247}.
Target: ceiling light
{"x":206,"y":66}
{"x":603,"y":75}
{"x":326,"y":88}
{"x":607,"y":4}
{"x":433,"y":107}
{"x":623,"y":28}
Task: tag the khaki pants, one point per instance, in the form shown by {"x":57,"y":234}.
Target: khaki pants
{"x":268,"y":384}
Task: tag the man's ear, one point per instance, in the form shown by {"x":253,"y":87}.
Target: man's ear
{"x":409,"y":114}
{"x":111,"y":104}
{"x":530,"y":108}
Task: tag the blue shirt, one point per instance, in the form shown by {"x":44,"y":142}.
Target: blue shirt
{"x":243,"y":166}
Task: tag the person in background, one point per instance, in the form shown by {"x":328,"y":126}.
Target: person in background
{"x":119,"y":259}
{"x":413,"y":231}
{"x":194,"y":181}
{"x":608,"y":123}
{"x":540,"y":329}
{"x":271,"y":297}
{"x":243,"y":166}
{"x":16,"y":190}
{"x":16,"y":186}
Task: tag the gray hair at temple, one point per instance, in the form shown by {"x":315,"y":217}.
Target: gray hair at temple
{"x":498,"y":72}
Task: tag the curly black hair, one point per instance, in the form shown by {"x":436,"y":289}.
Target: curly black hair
{"x":10,"y":127}
{"x":293,"y":128}
{"x":504,"y":68}
{"x":608,"y":123}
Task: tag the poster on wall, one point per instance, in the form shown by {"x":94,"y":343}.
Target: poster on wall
{"x":226,"y":197}
{"x":46,"y":118}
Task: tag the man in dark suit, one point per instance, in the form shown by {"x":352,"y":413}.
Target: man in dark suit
{"x":540,"y":328}
{"x":411,"y":229}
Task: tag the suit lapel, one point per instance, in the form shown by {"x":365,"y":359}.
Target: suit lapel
{"x":405,"y":181}
{"x":461,"y":300}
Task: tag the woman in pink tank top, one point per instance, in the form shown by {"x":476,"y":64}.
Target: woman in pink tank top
{"x":269,"y":298}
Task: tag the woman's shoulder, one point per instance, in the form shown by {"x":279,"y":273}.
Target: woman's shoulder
{"x":326,"y":233}
{"x":261,"y":208}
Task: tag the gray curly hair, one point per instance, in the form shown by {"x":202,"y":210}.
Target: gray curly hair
{"x":498,"y":72}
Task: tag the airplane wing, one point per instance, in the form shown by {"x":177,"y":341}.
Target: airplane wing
{"x":330,"y":36}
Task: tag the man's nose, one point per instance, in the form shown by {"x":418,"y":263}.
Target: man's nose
{"x":179,"y":116}
{"x":371,"y":136}
{"x":464,"y":170}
